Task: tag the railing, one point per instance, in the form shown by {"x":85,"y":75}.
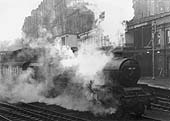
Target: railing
{"x":10,"y":70}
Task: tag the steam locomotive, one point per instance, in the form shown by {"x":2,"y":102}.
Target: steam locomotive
{"x":122,"y":75}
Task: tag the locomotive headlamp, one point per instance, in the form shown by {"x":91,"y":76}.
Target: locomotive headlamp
{"x":131,"y":68}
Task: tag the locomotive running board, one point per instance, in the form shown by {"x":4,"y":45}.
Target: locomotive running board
{"x":132,"y":92}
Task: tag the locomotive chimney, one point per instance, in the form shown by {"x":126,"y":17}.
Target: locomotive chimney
{"x":117,"y":52}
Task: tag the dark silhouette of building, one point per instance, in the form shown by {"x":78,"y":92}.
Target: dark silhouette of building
{"x":148,"y":36}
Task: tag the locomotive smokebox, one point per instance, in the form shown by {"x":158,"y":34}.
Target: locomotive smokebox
{"x":122,"y":72}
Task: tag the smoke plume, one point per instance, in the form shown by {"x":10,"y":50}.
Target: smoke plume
{"x":59,"y":76}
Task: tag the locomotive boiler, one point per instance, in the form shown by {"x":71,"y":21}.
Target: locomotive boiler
{"x":123,"y":72}
{"x":122,"y":75}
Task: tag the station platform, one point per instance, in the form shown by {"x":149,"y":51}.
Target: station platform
{"x":163,"y":83}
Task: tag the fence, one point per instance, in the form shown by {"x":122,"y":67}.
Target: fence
{"x":9,"y":71}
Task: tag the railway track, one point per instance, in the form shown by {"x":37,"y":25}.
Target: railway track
{"x":27,"y":112}
{"x":162,"y":99}
{"x":31,"y":112}
{"x":133,"y":118}
{"x":42,"y":110}
{"x":149,"y":118}
{"x":161,"y":104}
{"x":34,"y":112}
{"x":2,"y":118}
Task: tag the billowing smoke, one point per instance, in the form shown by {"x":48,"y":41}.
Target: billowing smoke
{"x":89,"y":62}
{"x":61,"y":77}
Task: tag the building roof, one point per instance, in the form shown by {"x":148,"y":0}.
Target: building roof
{"x":146,"y":20}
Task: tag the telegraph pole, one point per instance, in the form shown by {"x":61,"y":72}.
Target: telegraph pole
{"x":153,"y":49}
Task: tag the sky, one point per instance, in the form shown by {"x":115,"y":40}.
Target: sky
{"x":116,"y":11}
{"x":12,"y":15}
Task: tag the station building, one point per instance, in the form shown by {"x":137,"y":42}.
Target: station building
{"x":148,"y":37}
{"x":93,"y":37}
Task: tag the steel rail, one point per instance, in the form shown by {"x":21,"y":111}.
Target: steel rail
{"x":78,"y":119}
{"x":162,"y":99}
{"x":39,"y":113}
{"x":3,"y":118}
{"x":21,"y":112}
{"x":150,"y":118}
{"x":15,"y":116}
{"x":28,"y":114}
{"x":50,"y":112}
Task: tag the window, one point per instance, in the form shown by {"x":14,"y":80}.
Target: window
{"x":168,"y":36}
{"x":158,"y":38}
{"x":63,"y":41}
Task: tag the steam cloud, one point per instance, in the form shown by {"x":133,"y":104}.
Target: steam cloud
{"x":63,"y":77}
